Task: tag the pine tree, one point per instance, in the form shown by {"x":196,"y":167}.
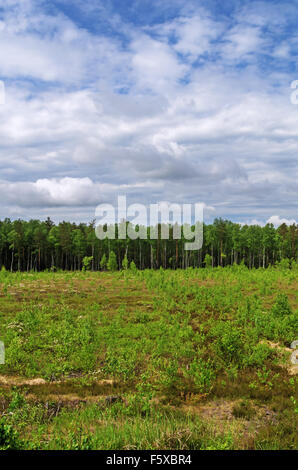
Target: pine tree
{"x":125,"y":263}
{"x":112,"y":262}
{"x":103,"y":262}
{"x":87,"y":263}
{"x":208,"y":261}
{"x":133,"y":267}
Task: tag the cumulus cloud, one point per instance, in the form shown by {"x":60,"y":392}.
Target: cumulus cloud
{"x":274,"y":219}
{"x":51,"y":192}
{"x":64,"y":192}
{"x":183,"y":107}
{"x":277,"y":221}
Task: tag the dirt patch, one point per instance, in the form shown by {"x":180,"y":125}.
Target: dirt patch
{"x":18,"y":381}
{"x":222,"y":412}
{"x":292,"y":369}
{"x":219,"y":410}
{"x":68,"y":399}
{"x":57,"y":386}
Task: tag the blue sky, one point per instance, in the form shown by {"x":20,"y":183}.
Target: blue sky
{"x":184,"y":101}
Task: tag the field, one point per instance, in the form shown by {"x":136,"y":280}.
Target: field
{"x":186,"y":359}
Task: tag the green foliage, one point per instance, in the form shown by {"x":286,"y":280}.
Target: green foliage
{"x":283,"y":264}
{"x":9,"y":439}
{"x":133,"y":267}
{"x":112,"y":262}
{"x":39,"y":245}
{"x":148,"y":354}
{"x":203,"y":374}
{"x":228,"y":342}
{"x":257,"y":355}
{"x":281,"y":308}
{"x":62,"y":342}
{"x":103,"y":262}
{"x":125,"y":263}
{"x":87,"y":260}
{"x":208,"y":261}
{"x":17,"y":401}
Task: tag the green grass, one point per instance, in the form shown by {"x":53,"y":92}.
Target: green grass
{"x":193,"y":359}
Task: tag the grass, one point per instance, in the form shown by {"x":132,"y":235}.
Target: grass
{"x":193,"y":359}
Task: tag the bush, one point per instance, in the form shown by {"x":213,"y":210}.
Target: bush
{"x":103,"y":262}
{"x":125,"y":263}
{"x":87,"y":263}
{"x":281,"y":308}
{"x":208,"y":261}
{"x":228,"y":343}
{"x":9,"y":439}
{"x":284,"y":264}
{"x":202,"y":374}
{"x":257,"y":355}
{"x":112,"y":262}
{"x":133,"y":267}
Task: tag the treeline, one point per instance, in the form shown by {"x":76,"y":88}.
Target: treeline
{"x":39,"y":245}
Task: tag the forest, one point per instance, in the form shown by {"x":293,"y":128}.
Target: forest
{"x":44,"y":245}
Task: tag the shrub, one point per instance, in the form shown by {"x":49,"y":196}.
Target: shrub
{"x":257,"y":355}
{"x":202,"y":374}
{"x":112,"y":262}
{"x":208,"y":261}
{"x":281,"y":307}
{"x":284,"y":264}
{"x":103,"y":262}
{"x":9,"y":439}
{"x":228,"y":343}
{"x":125,"y":263}
{"x":133,"y":267}
{"x":87,"y":263}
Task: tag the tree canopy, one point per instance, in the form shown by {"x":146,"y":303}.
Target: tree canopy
{"x":39,"y":245}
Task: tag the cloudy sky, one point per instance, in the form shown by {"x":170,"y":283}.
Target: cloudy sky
{"x":178,"y":100}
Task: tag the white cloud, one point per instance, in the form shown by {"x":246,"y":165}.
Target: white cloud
{"x":66,"y":192}
{"x":191,"y":36}
{"x":277,"y":221}
{"x":138,"y":117}
{"x":155,"y":65}
{"x":241,"y":42}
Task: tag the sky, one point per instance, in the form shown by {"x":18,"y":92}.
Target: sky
{"x":159,"y":100}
